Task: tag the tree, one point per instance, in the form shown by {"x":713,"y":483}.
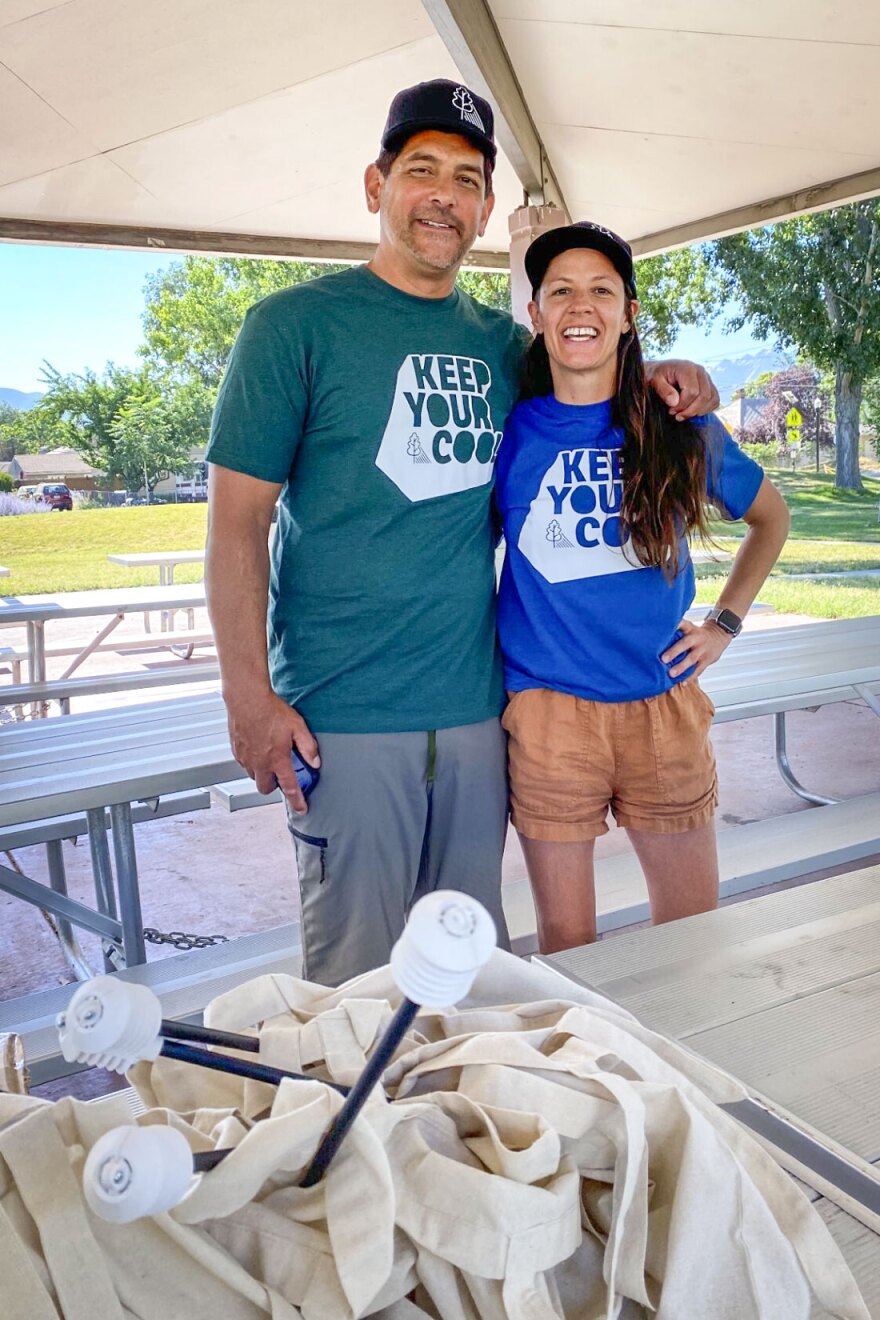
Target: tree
{"x":134,"y":426}
{"x":195,"y":308}
{"x":813,"y":282}
{"x":871,"y":401}
{"x":488,"y":287}
{"x":85,"y":405}
{"x":675,"y":289}
{"x":797,"y":387}
{"x":757,"y":388}
{"x":144,"y":450}
{"x":28,"y":430}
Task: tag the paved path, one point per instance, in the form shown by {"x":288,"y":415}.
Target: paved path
{"x":844,"y":573}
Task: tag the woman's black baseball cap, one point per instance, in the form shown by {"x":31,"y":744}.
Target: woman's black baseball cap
{"x":582,"y":234}
{"x":446,"y":106}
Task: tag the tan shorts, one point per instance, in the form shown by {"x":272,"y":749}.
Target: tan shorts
{"x":570,"y":760}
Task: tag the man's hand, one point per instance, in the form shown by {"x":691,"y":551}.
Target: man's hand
{"x":263,"y":731}
{"x":701,"y":645}
{"x":684,"y":387}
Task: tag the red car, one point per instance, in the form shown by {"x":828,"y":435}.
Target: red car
{"x":56,"y":495}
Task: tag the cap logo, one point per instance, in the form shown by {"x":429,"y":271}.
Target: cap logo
{"x":607,"y":232}
{"x":464,"y":104}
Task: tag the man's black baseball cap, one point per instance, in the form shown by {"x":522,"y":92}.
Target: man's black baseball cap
{"x":446,"y":106}
{"x":582,"y":234}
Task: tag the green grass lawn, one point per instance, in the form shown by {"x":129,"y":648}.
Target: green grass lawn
{"x":68,"y":551}
{"x":821,"y":512}
{"x":832,"y":531}
{"x":845,"y":598}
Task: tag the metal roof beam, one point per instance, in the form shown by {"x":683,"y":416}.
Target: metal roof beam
{"x":468,"y":31}
{"x":821,"y":197}
{"x":75,"y":234}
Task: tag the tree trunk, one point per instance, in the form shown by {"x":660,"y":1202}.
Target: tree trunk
{"x":848,"y":404}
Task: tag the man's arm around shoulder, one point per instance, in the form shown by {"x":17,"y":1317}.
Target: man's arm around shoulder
{"x":262,"y":727}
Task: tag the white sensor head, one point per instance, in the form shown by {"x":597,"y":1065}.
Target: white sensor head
{"x":132,"y":1172}
{"x":110,"y":1024}
{"x":447,"y":939}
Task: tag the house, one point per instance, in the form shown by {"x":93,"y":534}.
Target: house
{"x":739,"y":412}
{"x":190,"y":489}
{"x":56,"y":465}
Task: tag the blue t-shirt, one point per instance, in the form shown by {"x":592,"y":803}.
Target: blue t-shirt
{"x":576,"y":611}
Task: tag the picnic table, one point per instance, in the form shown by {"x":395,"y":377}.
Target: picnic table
{"x":100,"y":761}
{"x":34,"y":612}
{"x":783,"y":993}
{"x":166,"y":560}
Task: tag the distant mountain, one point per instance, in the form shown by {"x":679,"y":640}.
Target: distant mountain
{"x":734,"y":373}
{"x":17,"y":399}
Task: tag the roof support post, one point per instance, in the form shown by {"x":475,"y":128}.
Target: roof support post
{"x":468,"y":32}
{"x":526,"y":223}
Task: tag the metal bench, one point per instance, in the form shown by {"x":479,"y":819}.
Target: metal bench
{"x":63,"y":690}
{"x":149,"y":642}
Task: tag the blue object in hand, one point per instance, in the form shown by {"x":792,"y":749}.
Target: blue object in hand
{"x":307,"y":776}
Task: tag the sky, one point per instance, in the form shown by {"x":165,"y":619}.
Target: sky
{"x":81,"y":307}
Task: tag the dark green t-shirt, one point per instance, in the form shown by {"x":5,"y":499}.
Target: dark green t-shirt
{"x":382,"y":413}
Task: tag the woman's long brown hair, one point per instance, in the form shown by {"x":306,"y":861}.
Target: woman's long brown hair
{"x":663,"y":462}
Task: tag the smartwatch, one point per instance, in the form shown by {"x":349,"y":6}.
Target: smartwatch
{"x":726,"y":619}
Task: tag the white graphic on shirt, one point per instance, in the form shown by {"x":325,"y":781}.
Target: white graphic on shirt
{"x":577,"y":509}
{"x":415,"y":450}
{"x":440,"y":437}
{"x":464,"y":104}
{"x":557,"y":537}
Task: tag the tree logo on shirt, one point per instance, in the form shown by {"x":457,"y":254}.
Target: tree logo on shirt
{"x":557,"y":538}
{"x":577,"y":508}
{"x":415,"y":450}
{"x":440,"y":437}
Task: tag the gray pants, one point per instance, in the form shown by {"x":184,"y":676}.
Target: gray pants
{"x":395,"y":816}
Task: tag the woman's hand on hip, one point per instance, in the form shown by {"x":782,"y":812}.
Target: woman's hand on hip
{"x":699,"y":647}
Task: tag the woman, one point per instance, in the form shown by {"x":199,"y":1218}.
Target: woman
{"x":598,"y":490}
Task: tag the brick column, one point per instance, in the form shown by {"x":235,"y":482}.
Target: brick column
{"x":525,"y":224}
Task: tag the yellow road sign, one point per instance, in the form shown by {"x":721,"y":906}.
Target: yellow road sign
{"x":793,"y":423}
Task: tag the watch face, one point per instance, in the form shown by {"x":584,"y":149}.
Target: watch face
{"x":729,"y":621}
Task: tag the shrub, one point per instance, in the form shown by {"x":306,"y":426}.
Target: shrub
{"x":11,"y":504}
{"x":7,"y":483}
{"x":765,"y":454}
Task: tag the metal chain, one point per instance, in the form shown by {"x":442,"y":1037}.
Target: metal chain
{"x":181,"y":940}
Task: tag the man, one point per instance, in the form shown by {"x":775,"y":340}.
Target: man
{"x":374,"y":402}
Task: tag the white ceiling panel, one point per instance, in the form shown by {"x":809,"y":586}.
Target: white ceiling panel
{"x":849,"y":21}
{"x":291,"y":164}
{"x":724,"y":89}
{"x":13,"y":11}
{"x":647,"y":180}
{"x":33,"y":136}
{"x":88,"y":189}
{"x":288,"y":163}
{"x":122,"y":70}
